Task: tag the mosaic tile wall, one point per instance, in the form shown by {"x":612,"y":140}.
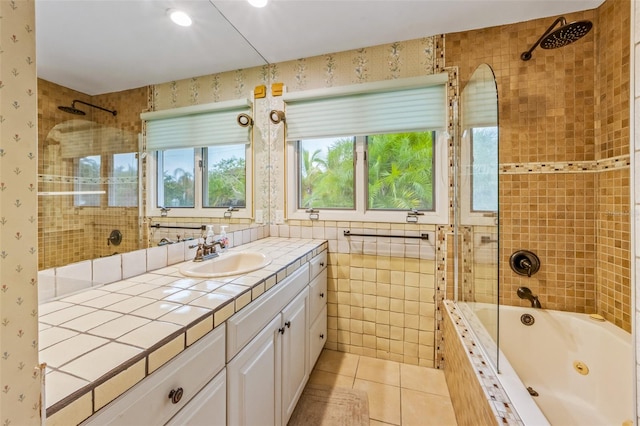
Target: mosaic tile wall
{"x":476,"y":393}
{"x":67,"y":233}
{"x":563,"y":127}
{"x":635,"y":160}
{"x":19,"y":373}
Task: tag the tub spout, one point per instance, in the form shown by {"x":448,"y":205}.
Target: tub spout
{"x":525,"y":293}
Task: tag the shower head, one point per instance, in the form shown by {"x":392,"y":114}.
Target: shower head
{"x":73,"y":110}
{"x":566,"y":34}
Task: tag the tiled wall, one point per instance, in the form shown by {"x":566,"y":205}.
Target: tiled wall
{"x":381,"y":291}
{"x":635,"y":160}
{"x":563,"y":119}
{"x":66,"y":233}
{"x":19,"y":372}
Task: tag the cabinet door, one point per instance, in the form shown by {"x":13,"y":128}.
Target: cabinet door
{"x":295,"y":364}
{"x":254,"y":380}
{"x":208,"y":408}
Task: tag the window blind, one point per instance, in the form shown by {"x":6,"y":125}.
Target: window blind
{"x":480,"y":104}
{"x":391,"y":106}
{"x":197,"y":126}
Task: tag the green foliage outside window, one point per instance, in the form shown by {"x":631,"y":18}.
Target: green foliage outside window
{"x":400,"y":172}
{"x":227,"y":183}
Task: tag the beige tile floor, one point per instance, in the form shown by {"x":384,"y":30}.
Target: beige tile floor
{"x":399,"y":394}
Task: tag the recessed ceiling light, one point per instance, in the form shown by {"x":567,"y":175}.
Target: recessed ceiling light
{"x":179,"y":17}
{"x":258,"y":3}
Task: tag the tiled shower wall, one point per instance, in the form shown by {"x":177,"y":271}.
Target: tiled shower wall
{"x":564,"y":174}
{"x":66,"y":233}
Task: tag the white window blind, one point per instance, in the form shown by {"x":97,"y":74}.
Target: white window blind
{"x":197,"y":126}
{"x":480,"y":102}
{"x":403,"y":105}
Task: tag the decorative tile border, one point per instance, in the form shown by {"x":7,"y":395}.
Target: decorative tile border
{"x":566,"y":167}
{"x":499,"y":402}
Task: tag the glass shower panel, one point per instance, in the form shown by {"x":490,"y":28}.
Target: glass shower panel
{"x":477,"y":209}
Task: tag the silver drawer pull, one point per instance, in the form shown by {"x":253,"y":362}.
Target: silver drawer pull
{"x":175,"y":395}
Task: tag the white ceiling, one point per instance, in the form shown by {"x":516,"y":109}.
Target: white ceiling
{"x":102,"y":46}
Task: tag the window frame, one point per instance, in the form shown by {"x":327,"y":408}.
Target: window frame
{"x":440,"y":214}
{"x":468,"y":216}
{"x":198,"y":210}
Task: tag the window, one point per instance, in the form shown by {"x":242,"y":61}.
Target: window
{"x":202,"y":181}
{"x":88,"y":181}
{"x":225,"y":177}
{"x":123,"y":187}
{"x":369,"y":152}
{"x":375,"y":177}
{"x":484,"y":169}
{"x":201,"y":160}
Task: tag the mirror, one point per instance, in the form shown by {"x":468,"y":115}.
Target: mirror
{"x":477,"y":222}
{"x":91,"y":174}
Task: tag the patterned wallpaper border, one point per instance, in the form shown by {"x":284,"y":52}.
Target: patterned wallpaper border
{"x":620,"y":162}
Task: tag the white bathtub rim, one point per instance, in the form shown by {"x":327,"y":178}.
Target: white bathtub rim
{"x":521,"y":401}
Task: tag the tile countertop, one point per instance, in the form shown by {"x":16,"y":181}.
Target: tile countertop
{"x":89,"y":338}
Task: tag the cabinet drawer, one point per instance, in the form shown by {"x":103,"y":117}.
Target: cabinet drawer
{"x":317,"y":337}
{"x":318,"y":263}
{"x":247,"y":323}
{"x":317,"y":294}
{"x":209,"y":407}
{"x":148,"y":402}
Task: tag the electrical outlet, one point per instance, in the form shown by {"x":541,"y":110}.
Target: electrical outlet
{"x":259,"y":216}
{"x":279,"y":217}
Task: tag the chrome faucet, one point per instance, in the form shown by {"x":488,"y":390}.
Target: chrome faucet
{"x":525,"y":293}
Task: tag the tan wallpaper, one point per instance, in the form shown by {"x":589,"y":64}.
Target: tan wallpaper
{"x":19,"y":377}
{"x":564,"y":122}
{"x":68,"y":234}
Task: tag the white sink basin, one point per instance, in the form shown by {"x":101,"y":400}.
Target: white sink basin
{"x":233,"y":263}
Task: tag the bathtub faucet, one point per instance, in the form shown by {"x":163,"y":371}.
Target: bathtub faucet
{"x":525,"y":293}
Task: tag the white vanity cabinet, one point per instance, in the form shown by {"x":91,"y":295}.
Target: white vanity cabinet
{"x":266,"y":378}
{"x":157,"y":398}
{"x":317,"y":307}
{"x":208,"y":407}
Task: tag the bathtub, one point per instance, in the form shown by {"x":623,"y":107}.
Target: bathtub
{"x":582,"y":369}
